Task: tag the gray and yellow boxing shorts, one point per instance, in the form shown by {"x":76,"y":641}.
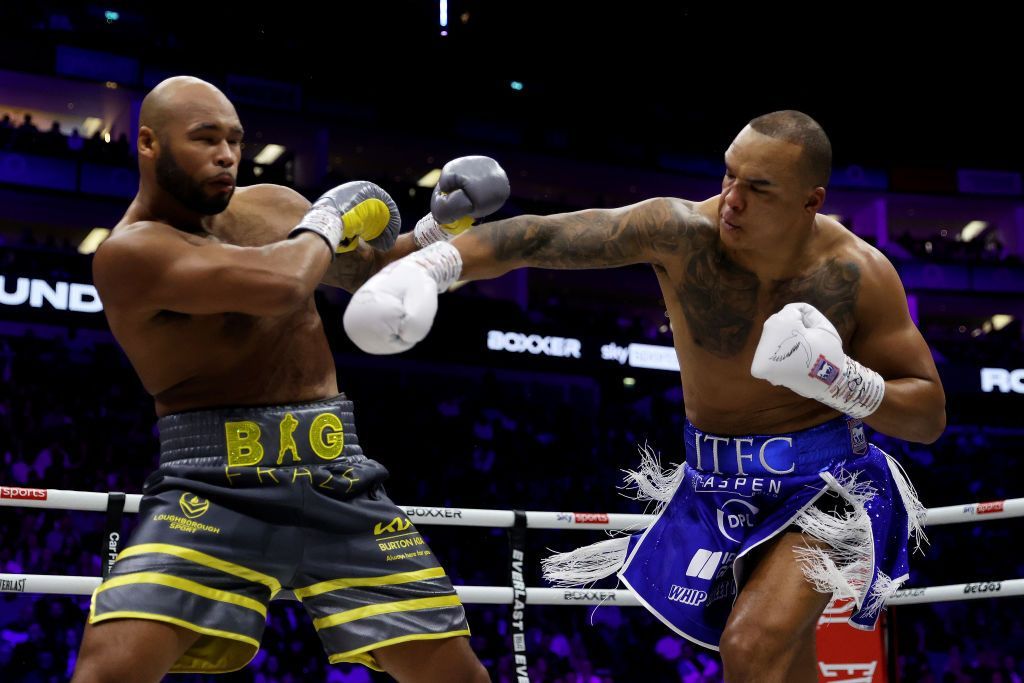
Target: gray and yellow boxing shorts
{"x":249,"y":501}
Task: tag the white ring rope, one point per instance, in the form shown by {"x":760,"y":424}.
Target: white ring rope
{"x":59,"y":499}
{"x":86,"y":501}
{"x":503,"y":595}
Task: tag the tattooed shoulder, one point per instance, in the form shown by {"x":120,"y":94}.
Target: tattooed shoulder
{"x":832,"y":289}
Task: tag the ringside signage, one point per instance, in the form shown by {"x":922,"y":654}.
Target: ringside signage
{"x":61,"y":296}
{"x":22,"y":493}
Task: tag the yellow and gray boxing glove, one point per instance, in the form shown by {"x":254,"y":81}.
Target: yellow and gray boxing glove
{"x":469,"y":188}
{"x":355,"y":210}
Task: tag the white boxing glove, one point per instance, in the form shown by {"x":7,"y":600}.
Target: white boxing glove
{"x":802,"y":351}
{"x":394,"y":309}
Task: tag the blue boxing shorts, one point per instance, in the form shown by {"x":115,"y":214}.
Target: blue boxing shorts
{"x":735,"y":493}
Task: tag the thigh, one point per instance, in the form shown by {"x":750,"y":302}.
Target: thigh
{"x":431,"y":661}
{"x":776,"y":596}
{"x":375,"y":586}
{"x":131,"y":650}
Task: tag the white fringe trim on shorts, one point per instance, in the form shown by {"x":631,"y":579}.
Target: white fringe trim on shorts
{"x":845,"y":567}
{"x":582,"y":567}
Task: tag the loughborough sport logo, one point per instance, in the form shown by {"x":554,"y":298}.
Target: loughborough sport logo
{"x":192,"y":506}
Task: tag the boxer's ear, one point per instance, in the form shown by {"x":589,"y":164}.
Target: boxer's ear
{"x":148,"y":145}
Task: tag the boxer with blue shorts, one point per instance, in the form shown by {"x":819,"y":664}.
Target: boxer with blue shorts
{"x":784,"y":323}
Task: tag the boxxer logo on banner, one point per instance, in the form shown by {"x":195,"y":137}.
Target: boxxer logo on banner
{"x":516,"y":342}
{"x":600,"y":596}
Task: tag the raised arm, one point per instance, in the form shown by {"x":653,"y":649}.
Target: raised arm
{"x":395,"y":308}
{"x":647,"y":232}
{"x":153,"y":267}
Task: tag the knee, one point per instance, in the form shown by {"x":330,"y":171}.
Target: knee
{"x":469,"y":673}
{"x":92,"y":669}
{"x":757,"y":651}
{"x":478,"y":674}
{"x":87,"y":671}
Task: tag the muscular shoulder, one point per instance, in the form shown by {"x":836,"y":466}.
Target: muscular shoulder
{"x":132,"y":252}
{"x":679,"y":218}
{"x":877,"y":282}
{"x":871,"y":264}
{"x":139,"y":237}
{"x":272,"y":197}
{"x":261,"y":214}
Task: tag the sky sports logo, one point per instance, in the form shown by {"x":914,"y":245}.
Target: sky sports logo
{"x":647,"y":356}
{"x":988,"y":508}
{"x":590,"y":517}
{"x":18,"y":493}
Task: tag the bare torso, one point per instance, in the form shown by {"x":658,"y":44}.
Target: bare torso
{"x":717,"y":310}
{"x":194,"y":361}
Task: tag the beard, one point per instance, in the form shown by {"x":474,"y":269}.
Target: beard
{"x":175,"y":182}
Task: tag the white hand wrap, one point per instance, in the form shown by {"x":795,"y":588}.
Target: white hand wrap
{"x":325,"y":222}
{"x":428,"y":231}
{"x":442,"y":261}
{"x":857,"y":392}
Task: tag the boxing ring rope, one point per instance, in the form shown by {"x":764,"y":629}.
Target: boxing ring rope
{"x":59,"y":499}
{"x":499,"y":595}
{"x":88,"y":501}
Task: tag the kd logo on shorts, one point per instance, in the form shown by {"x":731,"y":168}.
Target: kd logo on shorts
{"x":193,"y":506}
{"x":395,"y":525}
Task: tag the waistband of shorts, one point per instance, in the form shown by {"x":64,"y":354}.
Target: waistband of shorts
{"x":316,"y":432}
{"x":774,"y":455}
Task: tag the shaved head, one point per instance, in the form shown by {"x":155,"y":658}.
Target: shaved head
{"x":177,"y":97}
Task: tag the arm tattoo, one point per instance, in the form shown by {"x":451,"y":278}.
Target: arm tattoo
{"x":592,"y":239}
{"x":349,"y":271}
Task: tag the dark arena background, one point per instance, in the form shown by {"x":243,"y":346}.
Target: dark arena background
{"x":536,"y":389}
